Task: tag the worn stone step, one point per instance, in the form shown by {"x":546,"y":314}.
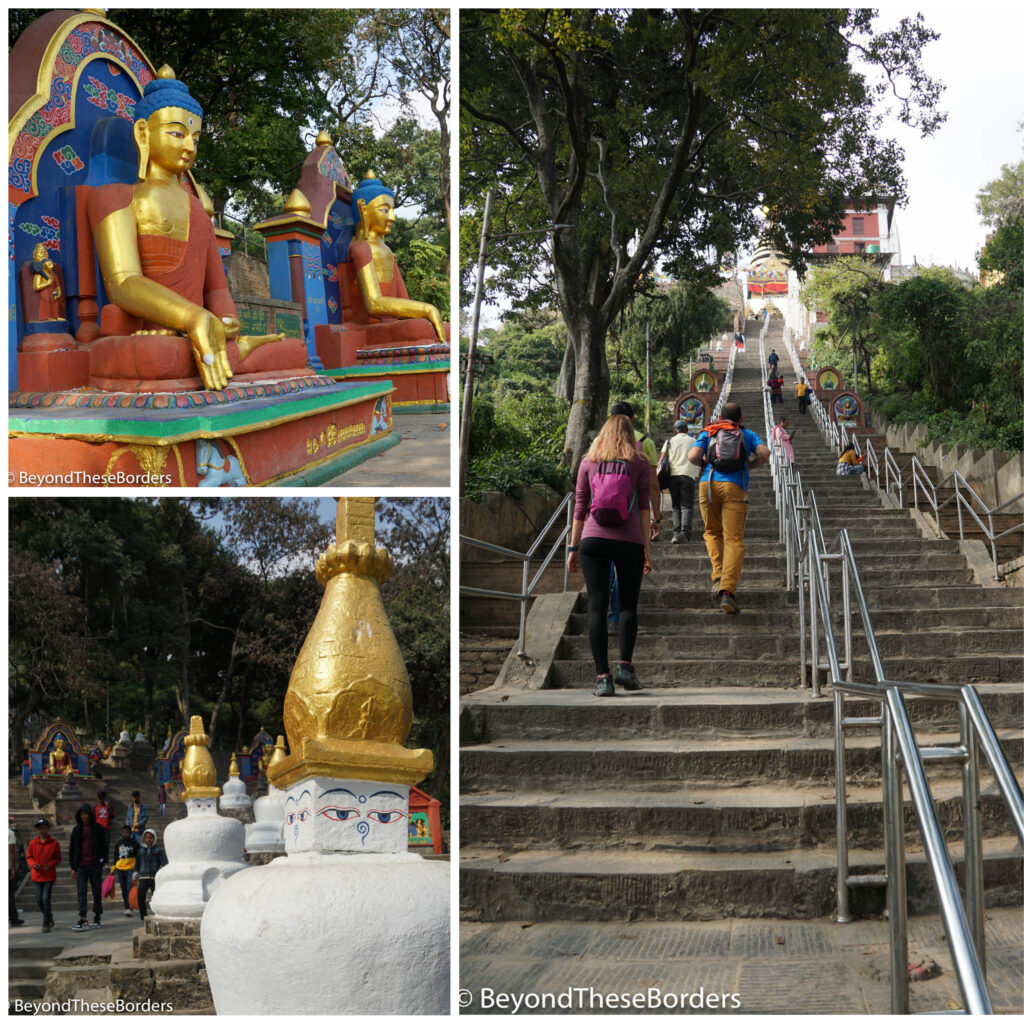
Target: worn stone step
{"x":697,"y":713}
{"x":762,"y":645}
{"x":691,"y":819}
{"x":713,"y":671}
{"x":756,"y":578}
{"x":662,"y":764}
{"x":601,"y":885}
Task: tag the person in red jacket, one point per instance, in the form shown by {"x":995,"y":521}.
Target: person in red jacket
{"x":43,"y":857}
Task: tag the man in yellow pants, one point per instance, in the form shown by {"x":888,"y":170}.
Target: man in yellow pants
{"x":734,"y":451}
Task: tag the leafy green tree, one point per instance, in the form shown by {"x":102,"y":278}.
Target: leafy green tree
{"x":1002,"y":199}
{"x":663,"y":131}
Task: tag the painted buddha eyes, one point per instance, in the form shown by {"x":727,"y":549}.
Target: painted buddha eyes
{"x":350,"y":814}
{"x":386,"y":817}
{"x":339,"y":813}
{"x":293,"y":816}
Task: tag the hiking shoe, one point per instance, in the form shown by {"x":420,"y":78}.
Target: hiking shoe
{"x":127,"y":913}
{"x":605,"y":687}
{"x":47,"y":926}
{"x":716,"y":592}
{"x":613,"y":627}
{"x":82,"y":926}
{"x":96,"y":923}
{"x":16,"y":924}
{"x":625,"y":676}
{"x":676,"y":537}
{"x":728,"y":603}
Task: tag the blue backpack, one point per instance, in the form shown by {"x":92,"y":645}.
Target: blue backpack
{"x":613,"y":496}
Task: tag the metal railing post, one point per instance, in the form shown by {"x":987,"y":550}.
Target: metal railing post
{"x":895,"y":868}
{"x":843,"y":915}
{"x":973,"y":864}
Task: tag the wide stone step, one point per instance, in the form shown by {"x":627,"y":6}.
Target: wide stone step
{"x":605,"y":885}
{"x":697,"y":713}
{"x":714,"y":671}
{"x":658,"y":620}
{"x":754,"y":577}
{"x":761,"y":557}
{"x":692,"y":819}
{"x":664,"y":764}
{"x":688,"y":642}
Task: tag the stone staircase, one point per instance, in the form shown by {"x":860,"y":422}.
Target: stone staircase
{"x":710,"y":794}
{"x":63,"y":964}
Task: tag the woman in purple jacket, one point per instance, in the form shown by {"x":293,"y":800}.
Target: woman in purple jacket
{"x":612,"y":524}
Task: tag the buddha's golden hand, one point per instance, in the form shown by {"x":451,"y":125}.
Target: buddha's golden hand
{"x":209,"y":335}
{"x":434,"y":316}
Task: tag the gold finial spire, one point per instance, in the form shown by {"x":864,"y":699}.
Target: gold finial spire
{"x":198,"y":775}
{"x":348,"y":708}
{"x":369,"y":174}
{"x":298,"y":204}
{"x":166,"y":71}
{"x":233,"y":772}
{"x":324,"y":139}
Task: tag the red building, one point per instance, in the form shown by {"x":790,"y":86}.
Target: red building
{"x":868,"y":224}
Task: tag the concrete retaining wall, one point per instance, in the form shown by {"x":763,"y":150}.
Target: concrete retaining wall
{"x":995,"y":476}
{"x":512,"y":523}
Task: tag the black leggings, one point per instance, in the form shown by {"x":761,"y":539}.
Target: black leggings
{"x":596,"y":557}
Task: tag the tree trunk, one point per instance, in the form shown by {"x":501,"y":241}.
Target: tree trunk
{"x":186,"y":646}
{"x":225,"y":686}
{"x":590,"y":390}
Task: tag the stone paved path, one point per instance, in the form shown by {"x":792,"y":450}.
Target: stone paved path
{"x":770,"y":966}
{"x":422,"y":459}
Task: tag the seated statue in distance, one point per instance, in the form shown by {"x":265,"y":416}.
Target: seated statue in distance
{"x":158,"y":254}
{"x":60,"y":759}
{"x":380,"y":281}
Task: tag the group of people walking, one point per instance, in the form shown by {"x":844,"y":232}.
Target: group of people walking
{"x":618,"y":511}
{"x":137,"y":857}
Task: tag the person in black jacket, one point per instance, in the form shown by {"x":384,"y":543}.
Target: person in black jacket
{"x":150,"y":860}
{"x":87,"y":853}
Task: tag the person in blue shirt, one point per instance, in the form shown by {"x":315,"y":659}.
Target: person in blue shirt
{"x":723,"y":504}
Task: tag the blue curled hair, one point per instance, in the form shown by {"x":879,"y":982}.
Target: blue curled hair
{"x":165,"y":92}
{"x":368,"y":190}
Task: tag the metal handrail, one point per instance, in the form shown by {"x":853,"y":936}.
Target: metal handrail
{"x":800,"y":525}
{"x":919,"y":478}
{"x":726,"y":384}
{"x":529,"y":585}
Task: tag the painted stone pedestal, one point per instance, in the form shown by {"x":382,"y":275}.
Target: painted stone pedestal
{"x":378,"y":924}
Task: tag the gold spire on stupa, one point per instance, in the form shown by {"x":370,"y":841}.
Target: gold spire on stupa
{"x":348,"y":709}
{"x":324,"y":139}
{"x":233,"y":772}
{"x":198,"y":774}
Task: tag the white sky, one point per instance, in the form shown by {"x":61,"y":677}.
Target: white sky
{"x":978,"y":57}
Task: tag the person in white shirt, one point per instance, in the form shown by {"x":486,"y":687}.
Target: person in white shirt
{"x":683,"y":480}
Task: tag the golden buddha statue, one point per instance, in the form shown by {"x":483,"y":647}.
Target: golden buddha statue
{"x":60,"y":759}
{"x":380,"y":281}
{"x":264,"y":761}
{"x":161,"y":264}
{"x":47,"y":284}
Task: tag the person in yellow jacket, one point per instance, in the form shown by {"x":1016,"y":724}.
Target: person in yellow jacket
{"x":849,"y":463}
{"x":803,"y":394}
{"x":124,"y":864}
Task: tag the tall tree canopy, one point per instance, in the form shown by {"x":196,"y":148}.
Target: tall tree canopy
{"x":662,"y":131}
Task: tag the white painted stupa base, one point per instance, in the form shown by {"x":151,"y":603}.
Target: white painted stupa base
{"x":234,"y":796}
{"x":266,"y":833}
{"x":331,"y":933}
{"x":203,"y":850}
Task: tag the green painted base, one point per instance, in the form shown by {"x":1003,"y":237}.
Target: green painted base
{"x":421,"y":407}
{"x":328,"y":471}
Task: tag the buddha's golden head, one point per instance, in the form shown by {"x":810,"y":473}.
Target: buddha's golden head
{"x":40,"y":253}
{"x":168,"y":122}
{"x":373,"y":207}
